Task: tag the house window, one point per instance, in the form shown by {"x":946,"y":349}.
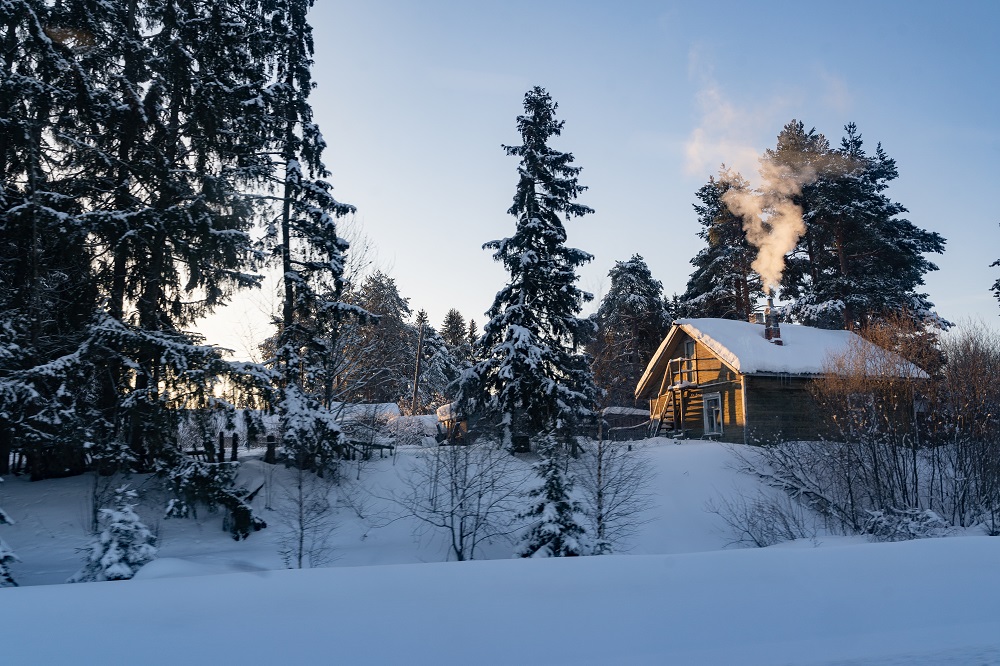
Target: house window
{"x":688,"y":367}
{"x":713,"y":413}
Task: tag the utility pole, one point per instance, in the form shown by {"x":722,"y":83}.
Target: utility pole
{"x":416,"y":374}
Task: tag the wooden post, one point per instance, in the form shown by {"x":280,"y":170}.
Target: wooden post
{"x":222,"y":446}
{"x":271,"y":454}
{"x":235,"y":445}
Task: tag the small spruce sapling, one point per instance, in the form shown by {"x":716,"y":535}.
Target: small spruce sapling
{"x":123,"y":546}
{"x":557,"y":531}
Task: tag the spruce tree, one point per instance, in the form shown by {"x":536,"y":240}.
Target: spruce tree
{"x":48,"y":295}
{"x":453,"y":329}
{"x":305,"y":241}
{"x":439,"y":367}
{"x":723,"y":283}
{"x":631,"y":322}
{"x":384,"y":348}
{"x":473,"y":335}
{"x":532,"y":377}
{"x":123,"y":545}
{"x":556,"y":530}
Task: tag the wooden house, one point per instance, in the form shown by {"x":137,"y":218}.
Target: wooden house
{"x":741,"y":381}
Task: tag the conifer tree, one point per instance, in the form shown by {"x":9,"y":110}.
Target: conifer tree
{"x":122,"y":547}
{"x":859,"y":262}
{"x":473,"y":334}
{"x":723,"y":283}
{"x":47,"y":284}
{"x":439,"y":367}
{"x":556,"y":530}
{"x":305,"y":240}
{"x":453,"y":329}
{"x":532,"y":377}
{"x":385,"y":346}
{"x":631,"y":323}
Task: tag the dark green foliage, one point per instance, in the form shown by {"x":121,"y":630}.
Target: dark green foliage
{"x":193,"y":482}
{"x":384,"y":349}
{"x":859,"y":261}
{"x":453,"y":329}
{"x":531,"y":378}
{"x":723,"y":283}
{"x":555,"y":530}
{"x":631,"y":323}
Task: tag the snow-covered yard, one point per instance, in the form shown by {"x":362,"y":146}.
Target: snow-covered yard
{"x":678,"y":596}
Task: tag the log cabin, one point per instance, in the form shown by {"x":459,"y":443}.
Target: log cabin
{"x":742,"y":382}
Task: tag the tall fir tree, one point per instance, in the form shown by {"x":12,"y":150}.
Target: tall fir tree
{"x":723,"y":283}
{"x":453,"y":329}
{"x":47,"y":285}
{"x":532,"y":376}
{"x":304,"y":239}
{"x":859,"y":262}
{"x":385,"y":347}
{"x":631,"y":322}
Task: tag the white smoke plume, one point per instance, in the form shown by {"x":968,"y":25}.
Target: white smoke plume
{"x":772,"y":222}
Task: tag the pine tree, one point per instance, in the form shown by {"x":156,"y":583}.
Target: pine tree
{"x":122,"y":547}
{"x":631,"y":322}
{"x":858,"y":262}
{"x":723,"y":283}
{"x":532,"y":376}
{"x":556,"y":530}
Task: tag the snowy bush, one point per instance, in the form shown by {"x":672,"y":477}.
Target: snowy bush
{"x":7,"y":556}
{"x":905,"y":524}
{"x":122,"y":547}
{"x":193,"y":482}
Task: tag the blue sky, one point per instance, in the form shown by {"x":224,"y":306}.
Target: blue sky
{"x":415,"y":99}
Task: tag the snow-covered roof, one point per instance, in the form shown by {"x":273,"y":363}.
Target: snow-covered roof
{"x":355,"y":411}
{"x":449,"y":412}
{"x":742,"y":346}
{"x":624,"y":411}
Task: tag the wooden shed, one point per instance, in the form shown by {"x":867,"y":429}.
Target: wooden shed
{"x":740,"y":381}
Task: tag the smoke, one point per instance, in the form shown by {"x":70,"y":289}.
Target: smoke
{"x":772,"y":222}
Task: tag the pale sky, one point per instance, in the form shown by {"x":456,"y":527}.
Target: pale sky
{"x":416,"y":98}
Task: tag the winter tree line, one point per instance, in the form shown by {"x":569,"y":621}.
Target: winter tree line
{"x":157,"y":157}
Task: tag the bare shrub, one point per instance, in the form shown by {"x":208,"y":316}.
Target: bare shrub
{"x":307,"y":518}
{"x":908,"y":446}
{"x":613,"y":479}
{"x":762,"y":520}
{"x":470,"y":493}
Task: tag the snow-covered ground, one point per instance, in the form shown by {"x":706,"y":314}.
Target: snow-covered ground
{"x":678,"y":596}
